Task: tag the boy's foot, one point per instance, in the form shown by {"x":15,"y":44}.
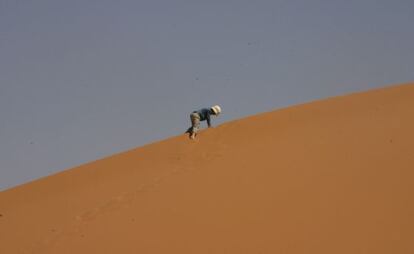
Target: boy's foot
{"x":192,"y":135}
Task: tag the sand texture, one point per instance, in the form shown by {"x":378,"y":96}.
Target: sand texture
{"x":331,"y":176}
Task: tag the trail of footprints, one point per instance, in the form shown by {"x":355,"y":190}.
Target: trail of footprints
{"x":121,"y":201}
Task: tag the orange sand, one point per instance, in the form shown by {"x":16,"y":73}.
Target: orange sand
{"x":332,"y":176}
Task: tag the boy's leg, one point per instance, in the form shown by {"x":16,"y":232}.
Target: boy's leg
{"x":195,"y":124}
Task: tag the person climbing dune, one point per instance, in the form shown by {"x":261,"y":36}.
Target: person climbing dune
{"x":202,"y":115}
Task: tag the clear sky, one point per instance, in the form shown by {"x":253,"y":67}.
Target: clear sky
{"x":83,"y":79}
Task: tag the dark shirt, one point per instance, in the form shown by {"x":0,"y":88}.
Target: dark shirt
{"x":205,"y":115}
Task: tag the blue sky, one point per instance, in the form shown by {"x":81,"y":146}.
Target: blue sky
{"x":81,"y":80}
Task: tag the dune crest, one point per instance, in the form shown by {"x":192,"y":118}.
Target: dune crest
{"x":331,"y":176}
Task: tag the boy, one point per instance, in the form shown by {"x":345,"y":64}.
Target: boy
{"x":202,"y":115}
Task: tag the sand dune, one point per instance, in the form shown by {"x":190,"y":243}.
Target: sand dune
{"x":331,"y":176}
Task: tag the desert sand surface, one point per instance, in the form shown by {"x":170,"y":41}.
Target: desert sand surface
{"x":330,"y":176}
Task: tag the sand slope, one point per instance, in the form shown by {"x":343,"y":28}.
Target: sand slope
{"x":332,"y":176}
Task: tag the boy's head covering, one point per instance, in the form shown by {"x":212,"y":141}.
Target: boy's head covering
{"x":216,"y":109}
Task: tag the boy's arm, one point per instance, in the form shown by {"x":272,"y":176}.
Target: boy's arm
{"x":208,"y":120}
